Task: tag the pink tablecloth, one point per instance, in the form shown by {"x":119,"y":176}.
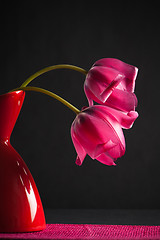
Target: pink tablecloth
{"x":88,"y":231}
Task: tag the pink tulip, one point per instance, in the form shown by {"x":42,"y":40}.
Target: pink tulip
{"x":97,"y":131}
{"x":111,"y":82}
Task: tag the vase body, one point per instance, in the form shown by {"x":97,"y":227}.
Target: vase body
{"x":20,"y":204}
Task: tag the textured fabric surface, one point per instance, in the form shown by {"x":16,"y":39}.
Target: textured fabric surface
{"x":88,"y":231}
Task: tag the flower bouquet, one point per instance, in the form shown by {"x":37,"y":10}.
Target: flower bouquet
{"x":96,"y":130}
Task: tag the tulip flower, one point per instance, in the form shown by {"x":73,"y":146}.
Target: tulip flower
{"x":111,"y":82}
{"x":97,"y":131}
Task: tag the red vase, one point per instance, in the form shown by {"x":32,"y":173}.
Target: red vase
{"x":20,"y":204}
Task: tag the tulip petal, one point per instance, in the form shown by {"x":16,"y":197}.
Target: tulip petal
{"x":89,"y":95}
{"x":91,"y":131}
{"x":126,"y":120}
{"x":106,"y":159}
{"x":105,"y":128}
{"x":128,"y":70}
{"x":79,"y":149}
{"x":107,"y":92}
{"x":78,"y":161}
{"x":122,"y":100}
{"x":101,"y":81}
{"x":112,"y":128}
{"x":101,"y":148}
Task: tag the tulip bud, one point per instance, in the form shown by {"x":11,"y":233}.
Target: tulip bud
{"x":111,"y":82}
{"x":97,"y":131}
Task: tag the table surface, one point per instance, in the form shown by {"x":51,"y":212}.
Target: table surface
{"x":104,"y":216}
{"x":96,"y":224}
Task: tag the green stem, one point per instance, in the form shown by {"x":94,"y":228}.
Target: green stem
{"x":47,"y":69}
{"x":41,"y":90}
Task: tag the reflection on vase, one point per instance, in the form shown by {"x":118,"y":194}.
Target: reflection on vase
{"x":20,"y":204}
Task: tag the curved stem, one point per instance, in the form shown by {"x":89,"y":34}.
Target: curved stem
{"x":41,"y":90}
{"x":47,"y":69}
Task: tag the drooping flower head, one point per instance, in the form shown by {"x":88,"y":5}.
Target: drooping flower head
{"x":97,"y":131}
{"x":111,"y":82}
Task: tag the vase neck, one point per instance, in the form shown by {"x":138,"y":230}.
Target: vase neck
{"x":10,"y":106}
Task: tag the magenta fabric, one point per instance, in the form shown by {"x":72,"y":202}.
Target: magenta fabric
{"x":88,"y":231}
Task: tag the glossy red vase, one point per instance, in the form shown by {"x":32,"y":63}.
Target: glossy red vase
{"x":20,"y":204}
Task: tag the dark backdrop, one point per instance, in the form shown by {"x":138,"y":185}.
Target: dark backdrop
{"x":35,"y":36}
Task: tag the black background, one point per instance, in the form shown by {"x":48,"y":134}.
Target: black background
{"x":34,"y":36}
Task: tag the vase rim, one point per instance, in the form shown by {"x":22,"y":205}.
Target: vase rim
{"x":9,"y":93}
